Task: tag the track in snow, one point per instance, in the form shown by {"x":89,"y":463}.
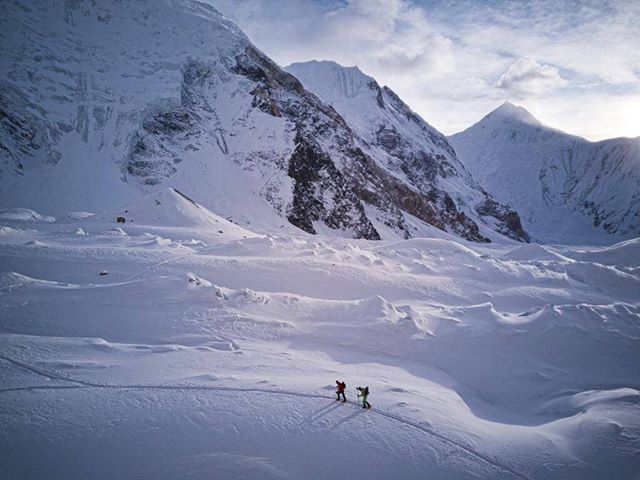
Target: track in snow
{"x":85,"y":384}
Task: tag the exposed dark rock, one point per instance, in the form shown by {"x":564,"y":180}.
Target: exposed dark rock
{"x":154,"y":151}
{"x":355,"y":177}
{"x":263,"y":100}
{"x":511,"y":225}
{"x":388,"y":137}
{"x":170,"y":123}
{"x":379,"y":96}
{"x":385,"y":191}
{"x":24,"y":138}
{"x":321,"y":193}
{"x":187,"y":198}
{"x":256,"y":66}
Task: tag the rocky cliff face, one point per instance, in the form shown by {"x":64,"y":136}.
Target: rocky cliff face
{"x":416,"y":163}
{"x":105,"y":102}
{"x":566,"y":188}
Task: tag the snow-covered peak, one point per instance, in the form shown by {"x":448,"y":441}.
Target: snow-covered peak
{"x":331,"y":81}
{"x":566,"y":188}
{"x":367,"y":106}
{"x":123,"y":96}
{"x":510,"y":123}
{"x":510,"y":113}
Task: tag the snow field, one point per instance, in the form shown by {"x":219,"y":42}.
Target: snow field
{"x":206,"y":355}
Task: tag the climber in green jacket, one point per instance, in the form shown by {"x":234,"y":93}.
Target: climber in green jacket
{"x":364,"y":393}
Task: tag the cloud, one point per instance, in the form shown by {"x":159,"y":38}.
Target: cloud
{"x":453,"y":60}
{"x":526,"y":77}
{"x":388,"y":36}
{"x":595,"y":40}
{"x":392,"y":36}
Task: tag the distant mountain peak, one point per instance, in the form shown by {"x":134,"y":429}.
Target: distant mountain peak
{"x":566,"y":188}
{"x":329,"y":65}
{"x":336,"y":80}
{"x":510,"y":111}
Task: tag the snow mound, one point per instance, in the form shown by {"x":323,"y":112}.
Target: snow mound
{"x":376,"y":307}
{"x":197,"y":282}
{"x":623,"y":253}
{"x":594,"y":397}
{"x":80,"y":215}
{"x":10,"y":280}
{"x":249,"y":246}
{"x":533,"y":252}
{"x":117,"y":232}
{"x":24,"y":215}
{"x":418,"y":247}
{"x":244,"y":296}
{"x":4,"y":230}
{"x":173,"y":209}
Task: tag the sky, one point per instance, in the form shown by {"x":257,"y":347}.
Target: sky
{"x":575,"y":65}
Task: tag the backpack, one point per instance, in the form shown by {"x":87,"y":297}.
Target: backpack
{"x":365,"y":391}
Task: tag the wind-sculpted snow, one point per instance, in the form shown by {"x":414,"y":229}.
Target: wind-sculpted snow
{"x":24,"y":215}
{"x":565,"y":188}
{"x":534,"y":252}
{"x":624,"y":255}
{"x":170,"y":344}
{"x":197,"y":331}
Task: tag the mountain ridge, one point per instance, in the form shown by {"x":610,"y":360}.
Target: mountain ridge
{"x":566,"y":188}
{"x":405,"y":145}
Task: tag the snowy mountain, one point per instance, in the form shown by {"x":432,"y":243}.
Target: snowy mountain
{"x":566,"y":188}
{"x":164,"y":313}
{"x":429,"y":181}
{"x":103,"y":102}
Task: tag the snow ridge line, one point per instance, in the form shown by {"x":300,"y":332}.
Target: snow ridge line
{"x":86,"y":384}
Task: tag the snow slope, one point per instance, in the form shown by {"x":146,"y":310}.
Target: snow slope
{"x":168,"y":350}
{"x":565,"y":188}
{"x":172,"y":211}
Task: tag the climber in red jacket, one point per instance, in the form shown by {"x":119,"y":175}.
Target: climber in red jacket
{"x":340,"y":388}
